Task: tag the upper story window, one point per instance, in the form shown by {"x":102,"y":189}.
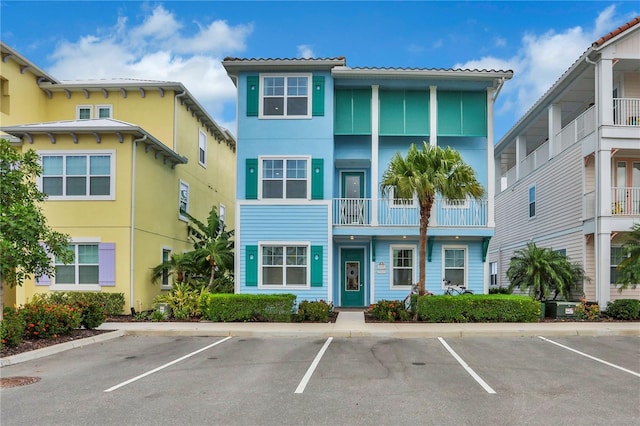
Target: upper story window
{"x":285,"y":178}
{"x":532,"y":201}
{"x":202,"y":148}
{"x":83,"y":112}
{"x":104,"y":111}
{"x":78,"y":175}
{"x":184,"y":200}
{"x":286,"y":96}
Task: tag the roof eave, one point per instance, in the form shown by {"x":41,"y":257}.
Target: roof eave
{"x":234,"y":65}
{"x":345,"y":72}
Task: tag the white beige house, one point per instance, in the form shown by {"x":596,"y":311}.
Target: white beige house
{"x":568,"y":172}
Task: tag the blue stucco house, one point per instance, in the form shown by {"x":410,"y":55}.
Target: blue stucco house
{"x":313,"y":140}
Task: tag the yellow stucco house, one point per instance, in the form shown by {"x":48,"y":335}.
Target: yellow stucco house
{"x":121,"y":159}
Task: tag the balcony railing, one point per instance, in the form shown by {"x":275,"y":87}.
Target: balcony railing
{"x":625,"y":201}
{"x":449,"y":213}
{"x":626,"y":112}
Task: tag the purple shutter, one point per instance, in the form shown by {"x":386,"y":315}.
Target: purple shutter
{"x":107,"y":262}
{"x":44,"y":279}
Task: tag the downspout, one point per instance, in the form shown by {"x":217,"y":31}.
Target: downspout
{"x":175,"y":120}
{"x":134,"y":145}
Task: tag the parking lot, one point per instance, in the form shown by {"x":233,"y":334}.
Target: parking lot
{"x":259,"y":381}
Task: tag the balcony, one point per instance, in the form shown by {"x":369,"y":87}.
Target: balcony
{"x":626,"y":112}
{"x":625,"y":201}
{"x":445,"y":213}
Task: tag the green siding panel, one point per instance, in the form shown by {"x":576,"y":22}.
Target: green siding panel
{"x":317,"y":179}
{"x":317,"y":97}
{"x":449,"y":114}
{"x":251,"y":266}
{"x":391,"y":112}
{"x":251,"y":179}
{"x":253,"y":95}
{"x":474,"y":113}
{"x":343,"y":119}
{"x":316,"y":266}
{"x":416,"y":113}
{"x":362,"y":112}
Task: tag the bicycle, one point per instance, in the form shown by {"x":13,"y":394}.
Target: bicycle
{"x":453,"y":289}
{"x":407,"y":300}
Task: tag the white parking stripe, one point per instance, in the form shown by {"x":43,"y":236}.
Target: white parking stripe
{"x":591,"y":357}
{"x":312,"y":367}
{"x":466,"y":367}
{"x":166,"y":365}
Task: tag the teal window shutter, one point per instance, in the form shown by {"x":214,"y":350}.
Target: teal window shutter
{"x":253,"y":95}
{"x":317,"y":179}
{"x":251,"y":179}
{"x":316,"y":266}
{"x":251,"y":266}
{"x":317,"y":96}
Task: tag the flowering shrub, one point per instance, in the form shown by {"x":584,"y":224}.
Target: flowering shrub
{"x":587,"y":311}
{"x":389,"y":310}
{"x":45,"y":320}
{"x":11,"y":327}
{"x":314,"y":311}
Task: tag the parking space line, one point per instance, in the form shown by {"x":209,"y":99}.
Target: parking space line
{"x":312,"y":367}
{"x":473,"y":374}
{"x":591,"y":357}
{"x":165,"y":366}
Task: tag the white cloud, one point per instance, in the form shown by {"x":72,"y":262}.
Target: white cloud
{"x":541,"y":60}
{"x":501,"y":42}
{"x":160,"y":48}
{"x":305,"y":51}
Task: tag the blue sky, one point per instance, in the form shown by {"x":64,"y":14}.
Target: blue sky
{"x":186,"y":40}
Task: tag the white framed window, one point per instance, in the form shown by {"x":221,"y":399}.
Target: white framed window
{"x":202,"y":148}
{"x":617,"y":255}
{"x":183,"y":201}
{"x":104,"y":111}
{"x":83,"y":112}
{"x":284,"y":178}
{"x":222,"y":214}
{"x":454,"y":265}
{"x":78,"y":175}
{"x":166,"y":256}
{"x":285,"y":96}
{"x":493,"y":274}
{"x":403,"y":265}
{"x":284,"y":265}
{"x":532,"y":201}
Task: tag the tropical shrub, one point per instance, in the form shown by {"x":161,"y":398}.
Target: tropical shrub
{"x":45,"y":320}
{"x":389,"y":310}
{"x":11,"y":327}
{"x":183,"y":299}
{"x":478,"y":308}
{"x":248,"y":307}
{"x":624,"y":309}
{"x":587,"y":311}
{"x":629,"y":267}
{"x":318,"y":311}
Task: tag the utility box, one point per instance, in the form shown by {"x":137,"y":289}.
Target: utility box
{"x":561,"y":310}
{"x":164,"y":309}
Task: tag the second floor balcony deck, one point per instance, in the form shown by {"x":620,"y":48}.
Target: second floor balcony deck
{"x":445,"y":213}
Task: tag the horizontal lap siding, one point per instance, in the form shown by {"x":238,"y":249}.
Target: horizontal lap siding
{"x":558,"y":220}
{"x":304,"y":223}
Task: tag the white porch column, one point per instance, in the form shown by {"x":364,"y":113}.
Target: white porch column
{"x":555,"y":125}
{"x":433,"y":115}
{"x":603,"y":267}
{"x":375,"y":119}
{"x":602,"y":237}
{"x":605,"y":81}
{"x":491,"y":169}
{"x":521,"y":153}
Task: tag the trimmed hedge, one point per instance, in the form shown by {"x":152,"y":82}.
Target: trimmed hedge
{"x":478,"y":308}
{"x":113,"y":303}
{"x":221,"y":307}
{"x":624,"y":309}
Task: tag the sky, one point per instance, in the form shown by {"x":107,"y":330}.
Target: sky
{"x":186,"y":41}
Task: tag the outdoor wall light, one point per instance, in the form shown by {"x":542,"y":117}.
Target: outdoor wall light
{"x":352,"y":238}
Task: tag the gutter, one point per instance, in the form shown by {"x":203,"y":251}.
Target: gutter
{"x":134,"y":145}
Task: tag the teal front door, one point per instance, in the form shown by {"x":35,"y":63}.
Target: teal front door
{"x":352,"y":277}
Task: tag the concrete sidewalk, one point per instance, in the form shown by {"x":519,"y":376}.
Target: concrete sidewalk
{"x":348,"y":324}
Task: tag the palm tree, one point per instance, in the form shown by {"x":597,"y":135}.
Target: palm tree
{"x":629,"y":268}
{"x":212,"y":244}
{"x":540,"y":271}
{"x":424,"y":173}
{"x":180,"y":265}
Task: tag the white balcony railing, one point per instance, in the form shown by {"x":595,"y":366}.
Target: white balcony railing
{"x":625,"y":201}
{"x":452,"y":213}
{"x":626,"y":112}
